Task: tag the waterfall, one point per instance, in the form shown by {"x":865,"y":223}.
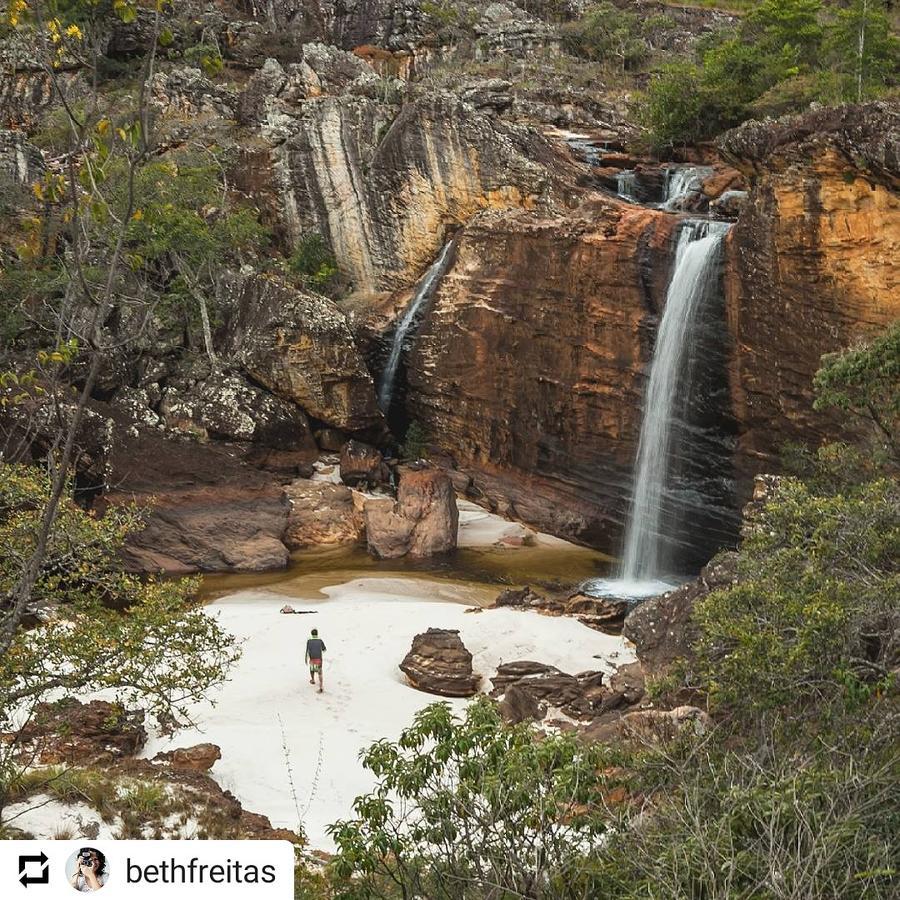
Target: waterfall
{"x":625,"y":182}
{"x":424,"y":291}
{"x":693,"y":283}
{"x":682,"y":182}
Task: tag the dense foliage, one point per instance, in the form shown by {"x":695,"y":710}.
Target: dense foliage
{"x":783,"y":55}
{"x":463,"y":805}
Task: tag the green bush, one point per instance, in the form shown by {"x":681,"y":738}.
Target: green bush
{"x":817,"y":601}
{"x":312,"y":262}
{"x":607,"y":34}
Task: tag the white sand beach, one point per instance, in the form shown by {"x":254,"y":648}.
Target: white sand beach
{"x":268,"y":716}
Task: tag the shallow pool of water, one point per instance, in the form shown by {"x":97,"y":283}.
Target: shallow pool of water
{"x":556,"y":566}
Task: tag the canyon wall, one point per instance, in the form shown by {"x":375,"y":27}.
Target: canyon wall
{"x":530,"y":368}
{"x":815,"y":263}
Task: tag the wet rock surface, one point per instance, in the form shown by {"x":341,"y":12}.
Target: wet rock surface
{"x":662,"y":629}
{"x":438,"y":663}
{"x":604,"y":614}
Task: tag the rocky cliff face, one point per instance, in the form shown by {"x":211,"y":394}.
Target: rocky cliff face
{"x":815,"y":263}
{"x":384,"y":183}
{"x":528,"y":368}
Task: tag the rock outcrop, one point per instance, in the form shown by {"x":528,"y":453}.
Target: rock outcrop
{"x":383,"y":183}
{"x":530,"y":690}
{"x":604,"y":614}
{"x":207,"y":508}
{"x":199,"y":758}
{"x":423,"y":521}
{"x":299,"y":346}
{"x":438,"y":663}
{"x":662,"y":629}
{"x":77,"y":733}
{"x":227,"y":406}
{"x":815,"y":263}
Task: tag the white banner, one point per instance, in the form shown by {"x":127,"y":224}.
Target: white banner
{"x":131,"y":870}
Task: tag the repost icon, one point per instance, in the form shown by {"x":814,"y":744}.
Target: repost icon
{"x":34,"y":869}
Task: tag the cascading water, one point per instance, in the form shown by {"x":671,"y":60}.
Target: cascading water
{"x":424,"y":291}
{"x":693,"y":282}
{"x":625,"y":183}
{"x":683,"y":182}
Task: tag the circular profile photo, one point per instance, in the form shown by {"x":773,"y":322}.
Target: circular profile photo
{"x":86,"y":870}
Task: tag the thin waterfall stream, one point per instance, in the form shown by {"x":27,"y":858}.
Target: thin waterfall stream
{"x":426,"y":287}
{"x":694,"y":281}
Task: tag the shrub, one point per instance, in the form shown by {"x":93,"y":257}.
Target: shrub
{"x":607,"y":34}
{"x":312,"y":262}
{"x":472,"y":808}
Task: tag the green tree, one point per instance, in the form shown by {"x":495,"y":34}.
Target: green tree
{"x":785,"y":27}
{"x":472,"y":808}
{"x":89,"y":626}
{"x":863,"y":49}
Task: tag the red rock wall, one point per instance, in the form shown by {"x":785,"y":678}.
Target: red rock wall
{"x":528,"y":366}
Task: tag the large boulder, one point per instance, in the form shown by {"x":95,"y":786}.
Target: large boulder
{"x":438,"y":663}
{"x":423,"y":521}
{"x":322,"y":514}
{"x":212,"y":529}
{"x":228,"y":406}
{"x":299,"y":346}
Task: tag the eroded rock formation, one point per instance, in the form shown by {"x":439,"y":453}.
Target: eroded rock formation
{"x":815,"y":263}
{"x":299,"y":345}
{"x":423,"y":521}
{"x":438,"y":663}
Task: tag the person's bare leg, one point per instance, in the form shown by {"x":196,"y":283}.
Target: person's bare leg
{"x":321,"y":687}
{"x":312,"y":677}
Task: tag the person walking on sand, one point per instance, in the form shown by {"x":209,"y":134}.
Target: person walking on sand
{"x":315,"y":647}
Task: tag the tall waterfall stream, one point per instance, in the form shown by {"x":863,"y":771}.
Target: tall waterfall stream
{"x":424,"y":291}
{"x":693,"y":282}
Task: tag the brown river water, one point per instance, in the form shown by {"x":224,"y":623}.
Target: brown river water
{"x":487,"y":570}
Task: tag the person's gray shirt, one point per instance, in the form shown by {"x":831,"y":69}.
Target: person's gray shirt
{"x":315,"y":647}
